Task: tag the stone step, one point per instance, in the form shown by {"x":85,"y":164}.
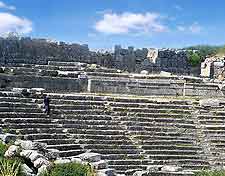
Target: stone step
{"x":158,"y":124}
{"x":172,"y":147}
{"x":121,"y":156}
{"x":171,"y":157}
{"x":71,"y":131}
{"x":155,"y":115}
{"x":124,"y":168}
{"x":170,"y":152}
{"x":22,"y":115}
{"x":109,"y":146}
{"x":93,"y":112}
{"x":76,"y":107}
{"x":155,"y":119}
{"x":116,"y":151}
{"x":18,"y":105}
{"x":150,"y":105}
{"x":161,"y":137}
{"x":157,"y":129}
{"x":168,"y":141}
{"x":44,"y":136}
{"x":19,"y":100}
{"x":25,"y":110}
{"x":183,"y":162}
{"x":152,"y":110}
{"x":168,"y":133}
{"x":65,"y":147}
{"x":160,"y":173}
{"x":76,"y":102}
{"x":210,"y":117}
{"x":69,"y":153}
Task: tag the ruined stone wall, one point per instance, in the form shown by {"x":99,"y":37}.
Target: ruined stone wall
{"x":40,"y":51}
{"x":153,"y":60}
{"x":157,"y":87}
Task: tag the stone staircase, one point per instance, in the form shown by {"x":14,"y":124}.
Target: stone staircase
{"x":130,"y":132}
{"x":211,"y":122}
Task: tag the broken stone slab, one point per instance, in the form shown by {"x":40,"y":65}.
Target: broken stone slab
{"x":163,"y":73}
{"x":62,"y":161}
{"x":35,"y":155}
{"x":90,"y":157}
{"x":76,"y":160}
{"x":140,"y":173}
{"x":29,"y":145}
{"x":171,"y":168}
{"x":12,"y":151}
{"x":144,"y":72}
{"x":154,"y":168}
{"x":209,"y":103}
{"x":100,"y":165}
{"x":26,"y":170}
{"x":106,"y":172}
{"x":7,"y":138}
{"x":26,"y":153}
{"x":38,"y":163}
{"x":52,"y":154}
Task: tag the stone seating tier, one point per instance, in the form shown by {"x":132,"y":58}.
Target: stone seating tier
{"x":130,"y":132}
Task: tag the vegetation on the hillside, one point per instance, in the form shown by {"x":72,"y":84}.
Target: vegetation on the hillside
{"x":3,"y":149}
{"x":10,"y":168}
{"x":198,"y":53}
{"x":194,"y":58}
{"x":71,"y":169}
{"x":204,"y":50}
{"x":211,"y":173}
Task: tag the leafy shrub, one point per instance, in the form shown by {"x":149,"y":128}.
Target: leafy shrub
{"x":3,"y":149}
{"x":10,"y":168}
{"x":194,"y":58}
{"x":211,"y":173}
{"x":70,"y":169}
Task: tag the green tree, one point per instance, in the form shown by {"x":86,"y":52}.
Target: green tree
{"x":194,"y":58}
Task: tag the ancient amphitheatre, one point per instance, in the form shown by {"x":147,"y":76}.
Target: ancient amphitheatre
{"x":130,"y":112}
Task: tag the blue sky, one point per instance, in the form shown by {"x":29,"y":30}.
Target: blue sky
{"x":104,"y":23}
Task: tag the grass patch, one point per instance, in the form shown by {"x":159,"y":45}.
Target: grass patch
{"x":70,"y":169}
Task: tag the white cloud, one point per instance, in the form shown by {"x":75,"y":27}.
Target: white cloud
{"x":181,"y":28}
{"x":193,"y":28}
{"x":3,"y":5}
{"x":113,"y":23}
{"x":178,"y":7}
{"x":12,"y":23}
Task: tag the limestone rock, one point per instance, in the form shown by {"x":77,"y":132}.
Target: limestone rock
{"x":209,"y":103}
{"x":153,"y":168}
{"x":140,"y":173}
{"x":29,"y":145}
{"x":26,"y":170}
{"x":171,"y":168}
{"x":76,"y":160}
{"x":100,"y":165}
{"x":163,"y":73}
{"x":52,"y":154}
{"x":35,"y":155}
{"x":90,"y":157}
{"x":12,"y":151}
{"x":42,"y":170}
{"x":6,"y":138}
{"x":26,"y":153}
{"x":105,"y":172}
{"x":144,"y":72}
{"x":62,"y":161}
{"x":40,"y":162}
